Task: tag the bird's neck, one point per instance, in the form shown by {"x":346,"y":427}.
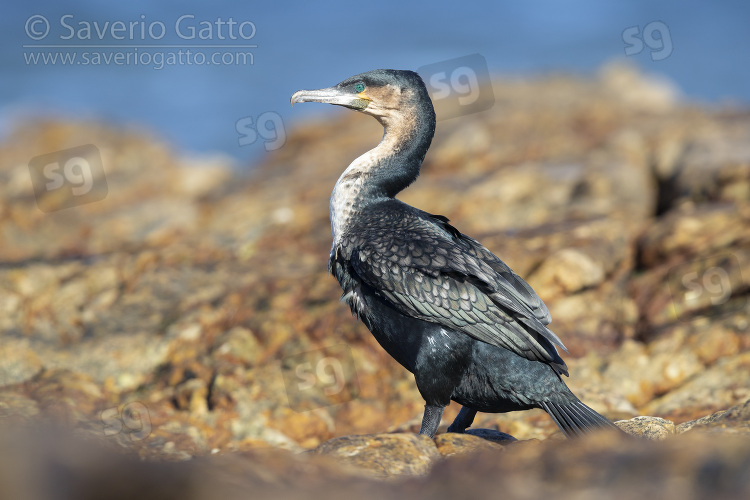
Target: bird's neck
{"x":384,"y":171}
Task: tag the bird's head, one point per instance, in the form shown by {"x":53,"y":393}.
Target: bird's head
{"x":383,"y":93}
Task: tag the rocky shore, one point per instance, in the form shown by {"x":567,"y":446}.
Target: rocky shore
{"x":180,"y":333}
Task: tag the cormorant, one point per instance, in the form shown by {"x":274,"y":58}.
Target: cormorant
{"x":446,"y":308}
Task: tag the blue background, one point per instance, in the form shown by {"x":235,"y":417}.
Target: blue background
{"x":312,"y":45}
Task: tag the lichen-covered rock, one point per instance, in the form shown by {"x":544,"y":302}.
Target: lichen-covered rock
{"x":384,"y":455}
{"x":735,"y":420}
{"x":653,"y":428}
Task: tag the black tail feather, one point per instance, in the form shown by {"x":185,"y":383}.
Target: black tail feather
{"x":576,"y":419}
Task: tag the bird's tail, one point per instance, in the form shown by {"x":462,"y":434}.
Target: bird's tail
{"x":575,"y":418}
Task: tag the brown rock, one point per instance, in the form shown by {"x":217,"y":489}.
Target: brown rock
{"x":701,"y":229}
{"x":451,"y":443}
{"x":653,"y":428}
{"x":66,"y":397}
{"x":15,"y":407}
{"x":384,"y":455}
{"x":238,"y":344}
{"x":723,"y":385}
{"x":605,"y":465}
{"x":307,"y":428}
{"x":192,"y":395}
{"x":627,"y":373}
{"x":686,"y":426}
{"x":715,"y":342}
{"x":735,"y":420}
{"x":570,"y":270}
{"x":613,"y":209}
{"x":18,"y":362}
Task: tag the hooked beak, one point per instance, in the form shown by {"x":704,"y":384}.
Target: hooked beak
{"x":332,"y":95}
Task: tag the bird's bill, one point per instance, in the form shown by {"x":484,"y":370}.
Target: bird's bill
{"x":332,"y":95}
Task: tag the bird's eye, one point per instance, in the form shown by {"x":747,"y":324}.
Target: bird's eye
{"x":359,"y":87}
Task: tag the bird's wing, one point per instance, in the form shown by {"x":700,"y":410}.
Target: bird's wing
{"x":424,"y":271}
{"x":504,"y":277}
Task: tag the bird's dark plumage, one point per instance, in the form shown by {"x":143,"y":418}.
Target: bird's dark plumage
{"x":445,"y":307}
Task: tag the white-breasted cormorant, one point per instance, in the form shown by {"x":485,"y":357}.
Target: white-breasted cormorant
{"x":445,"y":307}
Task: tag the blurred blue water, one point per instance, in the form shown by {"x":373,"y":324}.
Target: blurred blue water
{"x":311,"y":45}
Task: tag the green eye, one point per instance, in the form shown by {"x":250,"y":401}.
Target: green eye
{"x":360,"y":87}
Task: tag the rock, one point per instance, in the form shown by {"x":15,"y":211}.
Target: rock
{"x":716,"y":342}
{"x":650,"y":94}
{"x":699,"y":422}
{"x":703,"y":273}
{"x":702,"y":229}
{"x":451,"y":443}
{"x":605,"y":465}
{"x":384,"y":455}
{"x":653,"y":428}
{"x":627,"y":371}
{"x":168,"y":318}
{"x":735,"y":420}
{"x":706,"y":165}
{"x":570,"y":270}
{"x":66,"y":396}
{"x":16,"y":407}
{"x":204,"y":176}
{"x":595,"y":320}
{"x":308,"y":428}
{"x":18,"y":362}
{"x":721,"y":386}
{"x":192,"y":395}
{"x":238,"y":344}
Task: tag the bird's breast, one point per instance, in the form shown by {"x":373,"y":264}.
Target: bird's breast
{"x":345,"y":203}
{"x":349,"y":194}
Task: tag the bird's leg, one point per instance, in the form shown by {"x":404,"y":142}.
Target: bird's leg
{"x":431,"y":419}
{"x":463,"y":420}
{"x":439,"y":369}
